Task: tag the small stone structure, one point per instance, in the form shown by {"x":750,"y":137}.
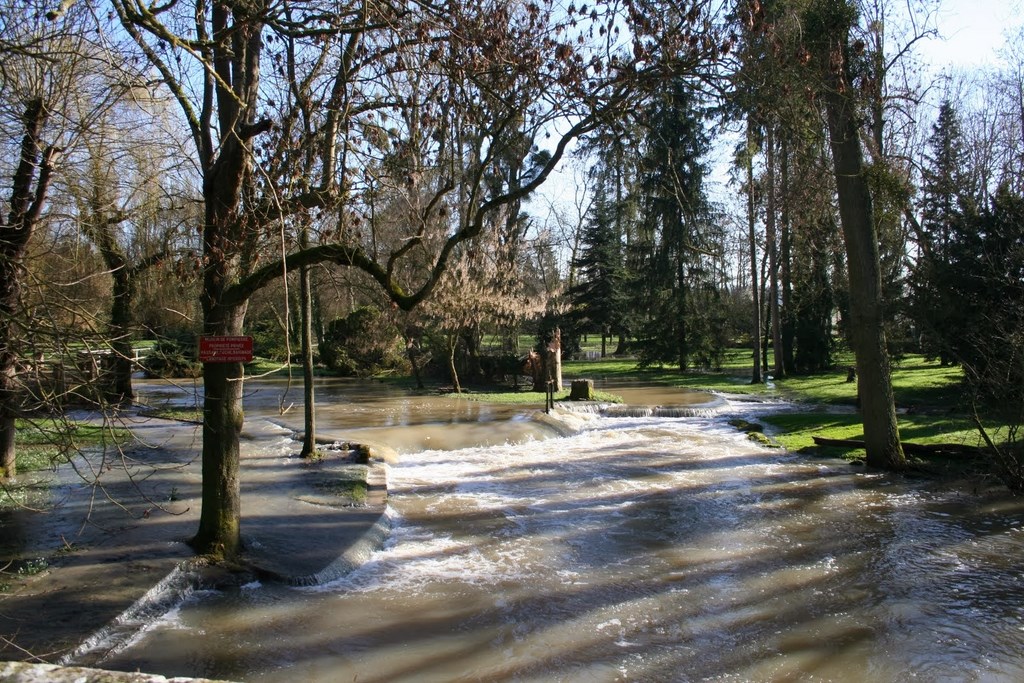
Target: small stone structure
{"x":581,"y":390}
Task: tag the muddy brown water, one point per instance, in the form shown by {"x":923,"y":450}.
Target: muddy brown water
{"x":635,"y":549}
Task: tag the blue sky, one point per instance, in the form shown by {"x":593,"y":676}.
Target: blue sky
{"x":972,"y":31}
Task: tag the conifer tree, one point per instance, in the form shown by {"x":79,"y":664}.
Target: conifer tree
{"x":674,"y":280}
{"x":934,"y":306}
{"x":598,"y":299}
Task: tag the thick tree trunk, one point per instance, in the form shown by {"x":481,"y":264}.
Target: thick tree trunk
{"x":622,"y":347}
{"x":219,"y":521}
{"x":220,"y":518}
{"x":8,"y":462}
{"x":26,"y":202}
{"x":881,"y":432}
{"x":9,"y":398}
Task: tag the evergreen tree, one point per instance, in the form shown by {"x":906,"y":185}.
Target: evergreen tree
{"x":934,"y":306}
{"x":984,"y":277}
{"x":675,"y":243}
{"x":598,"y":297}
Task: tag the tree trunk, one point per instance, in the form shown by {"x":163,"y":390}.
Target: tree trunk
{"x":554,"y":359}
{"x":26,"y":203}
{"x":118,"y":384}
{"x":8,"y":462}
{"x":881,"y":432}
{"x":309,"y":417}
{"x":771,"y":236}
{"x":220,"y":518}
{"x":682,"y":347}
{"x":9,"y":394}
{"x":788,"y":328}
{"x":453,"y":345}
{"x":623,"y":345}
{"x":413,"y":355}
{"x":755,"y":337}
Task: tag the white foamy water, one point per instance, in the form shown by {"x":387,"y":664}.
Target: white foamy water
{"x":646,"y":549}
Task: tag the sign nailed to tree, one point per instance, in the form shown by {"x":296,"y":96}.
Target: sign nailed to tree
{"x":225,"y":349}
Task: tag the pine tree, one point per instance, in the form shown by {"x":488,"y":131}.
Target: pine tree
{"x":934,"y":306}
{"x":674,"y":282}
{"x":598,"y":298}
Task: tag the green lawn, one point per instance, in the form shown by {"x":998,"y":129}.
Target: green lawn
{"x":930,"y":399}
{"x":42,"y":444}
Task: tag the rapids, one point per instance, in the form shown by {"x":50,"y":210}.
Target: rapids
{"x":635,"y":549}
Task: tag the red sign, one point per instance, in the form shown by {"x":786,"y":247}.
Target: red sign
{"x":225,"y":349}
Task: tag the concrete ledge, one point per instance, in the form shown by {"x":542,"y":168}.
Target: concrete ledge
{"x":23,"y":672}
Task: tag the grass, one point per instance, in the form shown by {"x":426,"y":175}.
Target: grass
{"x":42,"y":444}
{"x":193,"y":415}
{"x":930,"y":399}
{"x":795,"y":431}
{"x":733,"y":376}
{"x":353,"y":490}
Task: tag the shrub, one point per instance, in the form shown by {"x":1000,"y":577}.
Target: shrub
{"x":362,"y":343}
{"x":171,"y":358}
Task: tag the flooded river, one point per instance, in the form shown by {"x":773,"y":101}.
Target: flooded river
{"x":637,"y":549}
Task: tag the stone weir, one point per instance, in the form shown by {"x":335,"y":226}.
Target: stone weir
{"x":709,"y":409}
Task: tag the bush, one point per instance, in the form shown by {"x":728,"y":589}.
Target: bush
{"x":171,"y":358}
{"x":361,"y":344}
{"x":269,"y":341}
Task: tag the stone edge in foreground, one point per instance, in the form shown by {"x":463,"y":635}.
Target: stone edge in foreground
{"x":24,"y":672}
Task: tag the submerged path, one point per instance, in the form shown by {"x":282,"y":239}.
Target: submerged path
{"x":645,"y":549}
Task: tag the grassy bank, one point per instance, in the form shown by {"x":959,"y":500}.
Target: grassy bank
{"x":43,"y":444}
{"x":929,"y":398}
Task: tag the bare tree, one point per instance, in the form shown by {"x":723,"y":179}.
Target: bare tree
{"x":44,"y":108}
{"x":500,"y":65}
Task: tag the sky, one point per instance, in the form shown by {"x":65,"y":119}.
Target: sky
{"x":972,"y":31}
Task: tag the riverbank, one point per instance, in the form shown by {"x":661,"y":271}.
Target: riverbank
{"x":111,"y":552}
{"x":933,"y":409}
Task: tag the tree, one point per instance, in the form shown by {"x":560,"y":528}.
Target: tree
{"x":675,"y":236}
{"x":598,"y":298}
{"x":934,"y":305}
{"x":827,"y":25}
{"x":746,"y":157}
{"x":130,"y":219}
{"x":438,"y":92}
{"x":35,"y":87}
{"x":28,"y":192}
